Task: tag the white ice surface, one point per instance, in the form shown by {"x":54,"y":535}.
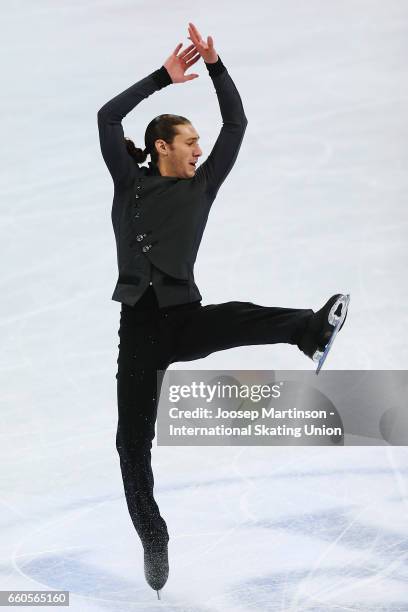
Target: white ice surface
{"x":316,"y":204}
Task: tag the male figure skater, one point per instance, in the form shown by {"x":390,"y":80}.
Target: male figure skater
{"x":159,"y":214}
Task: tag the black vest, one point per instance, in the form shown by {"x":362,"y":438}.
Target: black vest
{"x":159,"y":220}
{"x":158,"y":230}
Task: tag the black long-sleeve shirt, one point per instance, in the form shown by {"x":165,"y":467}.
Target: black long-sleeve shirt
{"x":164,"y":266}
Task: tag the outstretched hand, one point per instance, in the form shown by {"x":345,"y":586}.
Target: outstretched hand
{"x":205,"y":49}
{"x":176,"y":65}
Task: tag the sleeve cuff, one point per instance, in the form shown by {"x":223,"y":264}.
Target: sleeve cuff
{"x":215,"y":68}
{"x":162,"y":77}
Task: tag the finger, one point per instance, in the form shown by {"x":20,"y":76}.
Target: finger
{"x":192,"y":53}
{"x":191,"y":50}
{"x":210,"y":42}
{"x":195,"y":34}
{"x":177,"y":49}
{"x":193,"y":61}
{"x":194,"y":39}
{"x":185,"y":51}
{"x":190,"y":77}
{"x":198,"y":45}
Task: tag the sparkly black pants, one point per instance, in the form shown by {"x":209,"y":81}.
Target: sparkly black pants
{"x":152,"y":338}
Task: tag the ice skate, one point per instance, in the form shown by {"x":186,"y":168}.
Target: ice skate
{"x":156,"y":565}
{"x":323,"y":327}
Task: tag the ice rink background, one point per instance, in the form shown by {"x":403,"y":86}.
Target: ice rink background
{"x":315,"y":204}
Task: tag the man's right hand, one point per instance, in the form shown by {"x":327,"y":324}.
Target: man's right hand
{"x":176,"y":65}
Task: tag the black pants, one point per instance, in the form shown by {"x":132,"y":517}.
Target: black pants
{"x":152,"y":338}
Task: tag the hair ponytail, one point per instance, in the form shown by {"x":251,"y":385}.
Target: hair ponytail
{"x":138,"y":154}
{"x":161,"y":127}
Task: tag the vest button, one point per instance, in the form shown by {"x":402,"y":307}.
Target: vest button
{"x":146,"y":247}
{"x":140,"y":237}
{"x":137,"y":215}
{"x":137,"y":196}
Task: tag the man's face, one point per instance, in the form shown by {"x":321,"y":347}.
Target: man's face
{"x":180,"y":157}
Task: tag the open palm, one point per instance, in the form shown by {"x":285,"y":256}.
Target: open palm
{"x":177,"y":64}
{"x":206,"y":49}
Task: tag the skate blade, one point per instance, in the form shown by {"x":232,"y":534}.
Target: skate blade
{"x":337,"y":320}
{"x":158,"y":595}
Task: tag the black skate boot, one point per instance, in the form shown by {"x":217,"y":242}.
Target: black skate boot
{"x":323,"y":327}
{"x":156,"y":565}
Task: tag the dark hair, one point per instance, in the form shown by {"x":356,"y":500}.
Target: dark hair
{"x":162,"y":126}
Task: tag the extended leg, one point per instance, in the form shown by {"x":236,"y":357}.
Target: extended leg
{"x":217,"y":327}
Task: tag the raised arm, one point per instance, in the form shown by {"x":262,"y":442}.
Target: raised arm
{"x":111,"y":136}
{"x":110,"y":115}
{"x":225,"y":150}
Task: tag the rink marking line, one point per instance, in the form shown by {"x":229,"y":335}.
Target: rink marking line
{"x":357,"y":583}
{"x":15,"y":555}
{"x":234,"y":465}
{"x":309,"y":458}
{"x":378,"y":576}
{"x":305,"y":460}
{"x":64,"y":520}
{"x":323,"y":554}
